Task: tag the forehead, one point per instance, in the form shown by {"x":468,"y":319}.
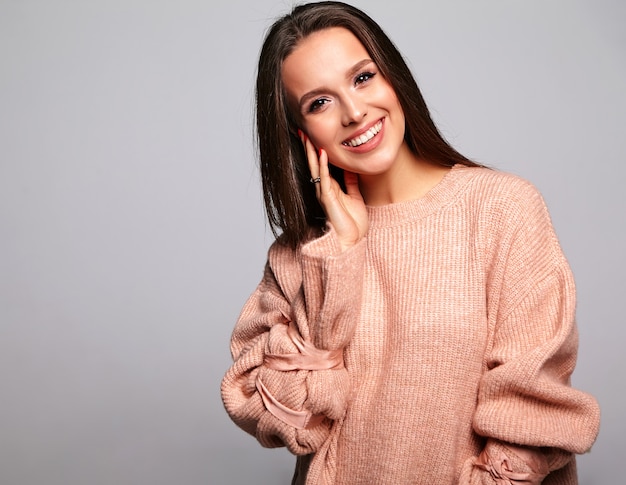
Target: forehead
{"x":321,"y":58}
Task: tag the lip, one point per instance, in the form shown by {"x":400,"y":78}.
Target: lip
{"x":370,"y":144}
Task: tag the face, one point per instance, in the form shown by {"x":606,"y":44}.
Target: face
{"x":343,"y":103}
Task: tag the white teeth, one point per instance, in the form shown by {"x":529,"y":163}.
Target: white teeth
{"x":367,"y":136}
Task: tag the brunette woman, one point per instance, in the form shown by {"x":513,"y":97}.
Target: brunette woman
{"x":415,"y":320}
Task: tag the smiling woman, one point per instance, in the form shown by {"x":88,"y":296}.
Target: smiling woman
{"x":415,"y":322}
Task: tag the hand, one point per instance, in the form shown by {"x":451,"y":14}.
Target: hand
{"x":345,"y":211}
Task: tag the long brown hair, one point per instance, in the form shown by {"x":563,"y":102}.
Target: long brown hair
{"x":290,"y":203}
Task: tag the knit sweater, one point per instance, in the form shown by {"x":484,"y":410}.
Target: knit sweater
{"x":437,"y":350}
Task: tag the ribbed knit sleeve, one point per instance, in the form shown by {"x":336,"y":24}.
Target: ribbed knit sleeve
{"x":307,"y":301}
{"x":525,"y":397}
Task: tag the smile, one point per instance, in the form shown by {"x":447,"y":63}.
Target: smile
{"x":365,"y":137}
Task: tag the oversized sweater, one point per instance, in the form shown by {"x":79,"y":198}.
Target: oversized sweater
{"x":443,"y":339}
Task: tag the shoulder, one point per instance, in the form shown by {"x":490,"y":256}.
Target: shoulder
{"x":505,"y":210}
{"x":497,"y":184}
{"x":282,"y":259}
{"x":284,"y":268}
{"x":492,"y":192}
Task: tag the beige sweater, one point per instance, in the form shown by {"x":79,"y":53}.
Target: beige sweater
{"x":455,"y":320}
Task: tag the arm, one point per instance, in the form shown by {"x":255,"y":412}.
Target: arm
{"x":288,"y":382}
{"x":533,"y":419}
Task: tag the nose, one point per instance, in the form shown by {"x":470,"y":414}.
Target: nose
{"x":354,"y":110}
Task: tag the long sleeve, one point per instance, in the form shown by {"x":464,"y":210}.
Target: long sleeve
{"x":302,"y":314}
{"x":525,"y":398}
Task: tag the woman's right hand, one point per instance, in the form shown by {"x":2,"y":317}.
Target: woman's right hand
{"x":345,"y":211}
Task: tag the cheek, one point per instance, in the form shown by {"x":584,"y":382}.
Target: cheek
{"x":319,"y":132}
{"x":396,"y":111}
{"x":387,"y":96}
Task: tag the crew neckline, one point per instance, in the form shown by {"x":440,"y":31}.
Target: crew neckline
{"x":443,"y":193}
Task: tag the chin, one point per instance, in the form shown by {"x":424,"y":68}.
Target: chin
{"x":380,"y":167}
{"x":375,"y":163}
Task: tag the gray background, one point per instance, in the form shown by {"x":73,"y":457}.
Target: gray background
{"x":132,"y":231}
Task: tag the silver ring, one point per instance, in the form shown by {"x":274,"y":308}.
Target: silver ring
{"x":316,"y":180}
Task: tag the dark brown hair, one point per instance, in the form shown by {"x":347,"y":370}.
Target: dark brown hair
{"x":290,"y":203}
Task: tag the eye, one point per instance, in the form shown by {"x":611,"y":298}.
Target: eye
{"x":364,"y":77}
{"x":317,"y":104}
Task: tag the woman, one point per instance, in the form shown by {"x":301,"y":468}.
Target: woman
{"x":415,"y":321}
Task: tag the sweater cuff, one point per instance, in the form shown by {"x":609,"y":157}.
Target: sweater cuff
{"x":326,"y":245}
{"x":513,"y":465}
{"x":324,"y":254}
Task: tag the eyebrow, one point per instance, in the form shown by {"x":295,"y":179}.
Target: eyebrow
{"x":354,"y":70}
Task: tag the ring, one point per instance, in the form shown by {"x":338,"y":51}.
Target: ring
{"x":316,"y":180}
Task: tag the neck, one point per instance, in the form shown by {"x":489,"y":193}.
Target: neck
{"x":410,"y":178}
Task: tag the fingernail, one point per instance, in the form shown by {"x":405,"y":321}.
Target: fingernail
{"x":300,"y":133}
{"x":319,"y":152}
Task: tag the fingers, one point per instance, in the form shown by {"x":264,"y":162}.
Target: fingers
{"x":351,"y":181}
{"x":311,"y":155}
{"x":320,"y":174}
{"x":325,"y":184}
{"x":324,"y":171}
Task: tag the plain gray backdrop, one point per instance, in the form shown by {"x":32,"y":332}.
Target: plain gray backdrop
{"x":132,"y":230}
